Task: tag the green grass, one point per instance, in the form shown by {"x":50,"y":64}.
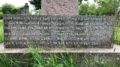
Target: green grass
{"x":6,"y":61}
{"x":117,"y":35}
{"x":1,"y":31}
{"x":51,"y":60}
{"x":35,"y":59}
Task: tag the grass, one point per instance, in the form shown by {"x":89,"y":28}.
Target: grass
{"x":1,"y":31}
{"x":35,"y":59}
{"x":51,"y":60}
{"x":117,"y":35}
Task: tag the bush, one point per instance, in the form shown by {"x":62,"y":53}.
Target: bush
{"x":83,"y":9}
{"x":8,"y":9}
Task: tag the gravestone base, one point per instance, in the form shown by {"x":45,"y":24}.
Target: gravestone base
{"x":91,"y":55}
{"x":115,"y":49}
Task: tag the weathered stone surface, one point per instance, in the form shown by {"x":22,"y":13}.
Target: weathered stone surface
{"x":58,"y":31}
{"x":59,"y":7}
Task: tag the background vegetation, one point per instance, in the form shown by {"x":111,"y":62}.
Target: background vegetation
{"x":101,"y":7}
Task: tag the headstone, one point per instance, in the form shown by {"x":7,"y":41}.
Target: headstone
{"x":59,"y":7}
{"x":58,"y":31}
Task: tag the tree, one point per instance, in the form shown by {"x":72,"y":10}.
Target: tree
{"x":107,"y":7}
{"x":86,"y":9}
{"x":1,"y":15}
{"x":83,"y":9}
{"x":80,"y":1}
{"x":92,"y":10}
{"x":8,"y":9}
{"x":36,"y":4}
{"x":0,"y":9}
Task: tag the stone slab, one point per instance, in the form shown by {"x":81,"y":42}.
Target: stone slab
{"x":115,"y":49}
{"x":22,"y":31}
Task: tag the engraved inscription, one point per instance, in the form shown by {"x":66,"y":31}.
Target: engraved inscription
{"x":58,"y":31}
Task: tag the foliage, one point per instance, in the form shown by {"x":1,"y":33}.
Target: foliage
{"x":6,"y":61}
{"x":9,"y":9}
{"x":0,"y":9}
{"x":92,"y":10}
{"x":107,"y":7}
{"x":104,"y":7}
{"x":1,"y":31}
{"x":98,"y":61}
{"x":117,"y":35}
{"x":1,"y":15}
{"x":80,"y":1}
{"x":36,"y":4}
{"x":50,"y":60}
{"x":85,"y":9}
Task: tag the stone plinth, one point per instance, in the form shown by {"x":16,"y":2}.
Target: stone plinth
{"x":115,"y":49}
